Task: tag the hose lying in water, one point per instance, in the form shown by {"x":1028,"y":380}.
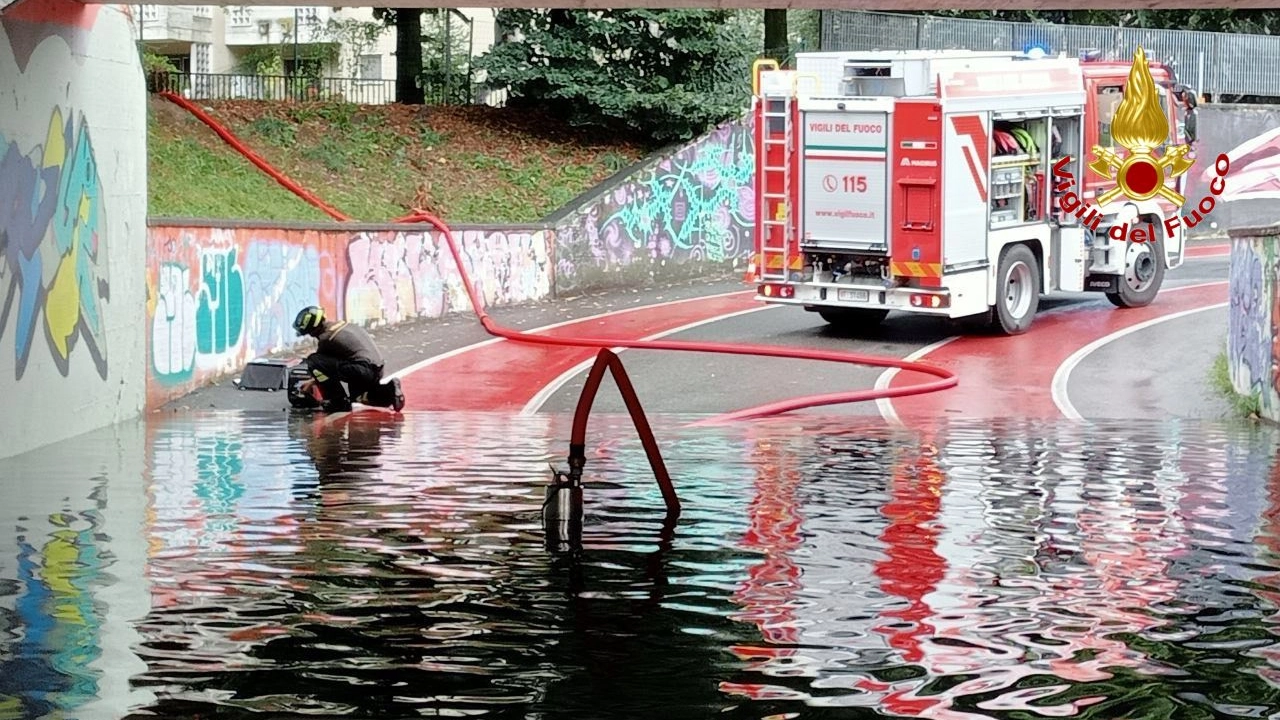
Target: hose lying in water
{"x":946,"y":379}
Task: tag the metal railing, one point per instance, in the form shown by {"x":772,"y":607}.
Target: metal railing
{"x":438,"y":88}
{"x":1212,"y":62}
{"x":226,"y":86}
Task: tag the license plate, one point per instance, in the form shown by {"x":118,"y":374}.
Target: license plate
{"x":853,"y":295}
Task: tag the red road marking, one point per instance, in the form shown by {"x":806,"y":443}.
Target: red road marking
{"x":506,"y":375}
{"x":1003,"y":376}
{"x":1219,"y":250}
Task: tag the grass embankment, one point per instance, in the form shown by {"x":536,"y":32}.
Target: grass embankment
{"x":374,"y":163}
{"x":1245,"y":406}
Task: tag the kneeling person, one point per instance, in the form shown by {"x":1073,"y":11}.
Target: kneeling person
{"x":346,"y":353}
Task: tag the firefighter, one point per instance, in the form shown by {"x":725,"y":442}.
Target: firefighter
{"x":346,"y":353}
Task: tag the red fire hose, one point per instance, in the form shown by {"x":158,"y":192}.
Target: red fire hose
{"x":946,"y":379}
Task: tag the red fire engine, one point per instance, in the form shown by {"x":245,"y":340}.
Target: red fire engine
{"x":955,"y":183}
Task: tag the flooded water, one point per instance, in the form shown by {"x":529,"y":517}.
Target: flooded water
{"x":249,"y":565}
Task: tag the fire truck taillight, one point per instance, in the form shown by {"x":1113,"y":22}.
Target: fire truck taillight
{"x":778,"y":291}
{"x":930,"y":301}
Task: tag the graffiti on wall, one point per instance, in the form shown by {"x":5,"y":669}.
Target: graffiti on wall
{"x":1253,"y":340}
{"x":396,"y":276}
{"x":696,"y":205}
{"x":53,"y":273}
{"x":219,"y":298}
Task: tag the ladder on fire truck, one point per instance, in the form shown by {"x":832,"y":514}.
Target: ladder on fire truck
{"x":776,"y":225}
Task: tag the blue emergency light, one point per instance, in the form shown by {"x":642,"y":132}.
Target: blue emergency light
{"x":1035,"y":50}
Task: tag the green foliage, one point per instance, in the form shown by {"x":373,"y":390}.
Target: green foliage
{"x":661,"y":75}
{"x":446,"y":55}
{"x":456,"y":43}
{"x":151,"y":62}
{"x":274,"y":130}
{"x":263,"y":60}
{"x":349,"y":39}
{"x":1245,"y":405}
{"x":803,"y":31}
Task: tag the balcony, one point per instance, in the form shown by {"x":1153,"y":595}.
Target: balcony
{"x":176,"y":24}
{"x":258,"y":25}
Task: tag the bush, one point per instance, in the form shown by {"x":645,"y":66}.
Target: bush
{"x":663,"y":76}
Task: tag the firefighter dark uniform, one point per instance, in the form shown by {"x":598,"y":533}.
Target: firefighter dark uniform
{"x":346,"y":353}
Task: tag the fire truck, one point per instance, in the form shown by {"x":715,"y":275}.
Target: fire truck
{"x":953,"y":183}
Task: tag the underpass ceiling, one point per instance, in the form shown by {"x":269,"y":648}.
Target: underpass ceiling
{"x":791,"y":4}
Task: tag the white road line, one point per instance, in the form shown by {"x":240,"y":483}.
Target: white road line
{"x":537,"y":401}
{"x":885,"y":405}
{"x":1062,"y":376}
{"x":409,"y":370}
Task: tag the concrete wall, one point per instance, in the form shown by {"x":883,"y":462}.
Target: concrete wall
{"x":1250,"y":135}
{"x":1253,"y":326}
{"x":683,"y":214}
{"x":221,"y":293}
{"x":217,"y":297}
{"x":72,"y":221}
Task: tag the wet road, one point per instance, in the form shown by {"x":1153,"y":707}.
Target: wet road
{"x":827,"y":564}
{"x":1107,"y":382}
{"x":248,"y":566}
{"x":455,"y":365}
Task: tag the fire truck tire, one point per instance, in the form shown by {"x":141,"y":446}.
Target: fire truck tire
{"x":852,"y":318}
{"x":1018,"y":294}
{"x":1142,"y":277}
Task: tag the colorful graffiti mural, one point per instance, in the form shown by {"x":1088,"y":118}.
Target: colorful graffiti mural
{"x":218,"y":298}
{"x":48,"y":669}
{"x":1253,"y":335}
{"x":52,"y":243}
{"x":396,"y":276}
{"x":695,"y":206}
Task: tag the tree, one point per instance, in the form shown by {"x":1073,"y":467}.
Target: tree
{"x":352,"y":37}
{"x":446,"y":60}
{"x":776,"y":43}
{"x":408,"y":25}
{"x":664,"y":75}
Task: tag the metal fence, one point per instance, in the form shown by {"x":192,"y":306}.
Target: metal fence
{"x":1213,"y":63}
{"x":210,"y":86}
{"x":439,"y":88}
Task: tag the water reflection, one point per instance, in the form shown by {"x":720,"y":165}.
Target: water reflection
{"x":71,"y":577}
{"x":394,"y":566}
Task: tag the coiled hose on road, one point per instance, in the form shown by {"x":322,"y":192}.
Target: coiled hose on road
{"x":946,"y":379}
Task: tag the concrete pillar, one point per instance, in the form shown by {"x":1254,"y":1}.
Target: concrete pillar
{"x":73,"y":164}
{"x":1253,"y":326}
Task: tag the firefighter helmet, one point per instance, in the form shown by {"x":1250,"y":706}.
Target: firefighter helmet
{"x":309,"y":319}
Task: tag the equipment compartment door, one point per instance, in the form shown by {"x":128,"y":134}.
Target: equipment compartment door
{"x":844,"y":201}
{"x":966,"y":183}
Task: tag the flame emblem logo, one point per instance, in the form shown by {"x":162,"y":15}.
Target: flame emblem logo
{"x":1140,"y":126}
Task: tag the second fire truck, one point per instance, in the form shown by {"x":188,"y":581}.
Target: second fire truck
{"x":964,"y":184}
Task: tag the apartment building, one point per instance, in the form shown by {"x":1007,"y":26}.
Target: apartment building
{"x":245,"y":51}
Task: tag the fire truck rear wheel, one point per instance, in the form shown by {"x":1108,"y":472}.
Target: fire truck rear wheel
{"x":1142,"y":277}
{"x":1018,"y":293}
{"x":852,"y":318}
